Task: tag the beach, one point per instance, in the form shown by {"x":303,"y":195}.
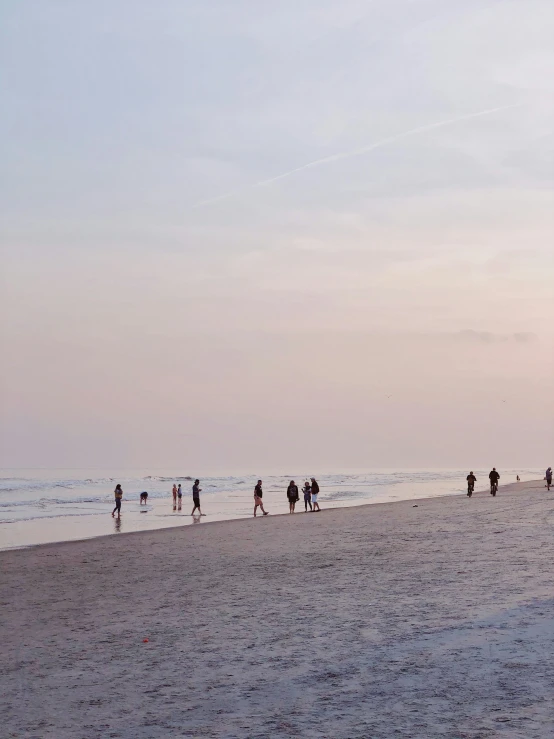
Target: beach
{"x":44,"y":506}
{"x":426,"y":618}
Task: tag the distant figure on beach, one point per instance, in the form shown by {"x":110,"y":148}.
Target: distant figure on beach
{"x":174,"y":496}
{"x":307,"y":490}
{"x":315,"y":493}
{"x":196,"y":497}
{"x":494,"y":477}
{"x":292,"y":495}
{"x":118,"y":492}
{"x":548,"y":478}
{"x":471,"y":480}
{"x":517,"y":478}
{"x":258,"y":495}
{"x":144,"y":498}
{"x":179,"y":495}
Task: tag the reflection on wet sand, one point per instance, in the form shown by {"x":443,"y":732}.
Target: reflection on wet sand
{"x":117,"y":525}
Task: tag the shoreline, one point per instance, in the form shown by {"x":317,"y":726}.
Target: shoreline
{"x":507,"y":487}
{"x":375,"y":620}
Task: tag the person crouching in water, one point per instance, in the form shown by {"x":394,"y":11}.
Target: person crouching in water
{"x":258,"y":494}
{"x":307,"y":490}
{"x":315,"y":493}
{"x":292,"y":495}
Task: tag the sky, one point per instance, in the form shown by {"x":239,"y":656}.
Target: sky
{"x":245,"y":236}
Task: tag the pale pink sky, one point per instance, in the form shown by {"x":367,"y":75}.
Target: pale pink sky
{"x":265,"y":330}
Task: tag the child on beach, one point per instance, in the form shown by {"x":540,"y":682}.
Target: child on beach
{"x":118,"y":492}
{"x":179,"y":495}
{"x":174,"y":491}
{"x":307,"y":490}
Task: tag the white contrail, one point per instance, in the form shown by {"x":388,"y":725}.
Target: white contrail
{"x":356,"y":152}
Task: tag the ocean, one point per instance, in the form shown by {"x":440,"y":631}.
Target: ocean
{"x":39,"y":506}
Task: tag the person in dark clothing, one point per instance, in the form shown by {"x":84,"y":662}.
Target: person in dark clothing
{"x":494,"y":477}
{"x":196,"y":490}
{"x":118,"y":493}
{"x":315,"y":493}
{"x":307,"y":490}
{"x":292,"y":495}
{"x":471,"y":480}
{"x":258,"y":494}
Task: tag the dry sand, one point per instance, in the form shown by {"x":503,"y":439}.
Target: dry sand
{"x":379,"y":621}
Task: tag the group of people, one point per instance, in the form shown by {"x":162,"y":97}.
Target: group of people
{"x":310,"y":492}
{"x":178,"y":498}
{"x":494,"y":477}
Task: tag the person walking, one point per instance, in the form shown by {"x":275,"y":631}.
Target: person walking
{"x":471,"y":480}
{"x":307,"y":490}
{"x":196,"y":490}
{"x":118,"y":493}
{"x":315,"y":493}
{"x":174,"y":496}
{"x":258,"y":502}
{"x":548,"y":478}
{"x":292,"y":495}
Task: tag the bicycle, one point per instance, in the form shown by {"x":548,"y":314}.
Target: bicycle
{"x":494,"y":488}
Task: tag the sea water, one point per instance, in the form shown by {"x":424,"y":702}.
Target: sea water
{"x":40,"y":506}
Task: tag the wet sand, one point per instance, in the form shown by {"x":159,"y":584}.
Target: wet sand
{"x":379,"y":621}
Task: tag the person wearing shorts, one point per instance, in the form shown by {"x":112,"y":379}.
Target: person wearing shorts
{"x":315,"y":493}
{"x":179,"y":495}
{"x":118,"y":492}
{"x":196,"y":497}
{"x":258,"y":494}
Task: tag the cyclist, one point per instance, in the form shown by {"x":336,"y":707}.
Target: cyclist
{"x":471,"y":480}
{"x":494,"y":477}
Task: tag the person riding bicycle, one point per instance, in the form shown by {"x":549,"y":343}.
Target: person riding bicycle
{"x":471,"y":480}
{"x":494,"y":477}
